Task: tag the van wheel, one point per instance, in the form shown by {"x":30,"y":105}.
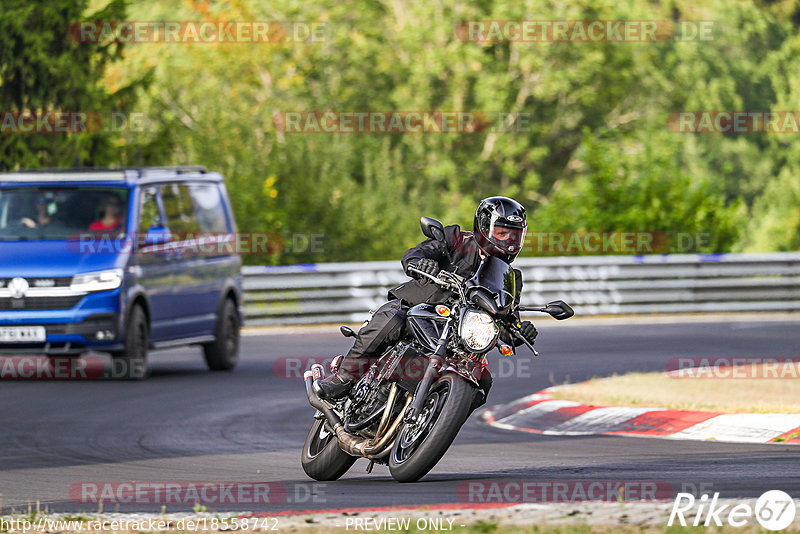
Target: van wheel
{"x":223,"y":353}
{"x":131,"y":363}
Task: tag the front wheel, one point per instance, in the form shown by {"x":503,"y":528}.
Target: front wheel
{"x":420,"y":446}
{"x":223,"y":353}
{"x":322,"y":457}
{"x":131,"y":363}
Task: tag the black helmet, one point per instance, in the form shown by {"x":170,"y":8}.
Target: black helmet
{"x":500,"y":227}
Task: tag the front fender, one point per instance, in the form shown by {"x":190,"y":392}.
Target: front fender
{"x":232,"y":286}
{"x":463,"y":373}
{"x":132,"y":293}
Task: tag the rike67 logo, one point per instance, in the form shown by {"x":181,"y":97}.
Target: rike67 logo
{"x":774,"y":510}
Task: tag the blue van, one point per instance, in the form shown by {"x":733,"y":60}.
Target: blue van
{"x":120,"y":261}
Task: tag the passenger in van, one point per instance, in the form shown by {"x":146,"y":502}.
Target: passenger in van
{"x":45,"y":208}
{"x":111,"y":210}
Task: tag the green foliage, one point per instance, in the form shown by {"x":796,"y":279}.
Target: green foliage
{"x":43,"y":69}
{"x":630,"y":186}
{"x":595,"y":155}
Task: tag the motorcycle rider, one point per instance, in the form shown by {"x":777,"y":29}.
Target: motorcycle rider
{"x":499,"y":230}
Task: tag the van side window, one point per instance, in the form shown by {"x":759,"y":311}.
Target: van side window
{"x":208,"y":203}
{"x":148,"y":211}
{"x":179,"y":210}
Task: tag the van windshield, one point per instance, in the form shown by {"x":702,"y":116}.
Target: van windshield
{"x":49,"y":213}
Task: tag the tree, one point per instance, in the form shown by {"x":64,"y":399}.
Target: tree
{"x":596,"y":147}
{"x":43,"y":70}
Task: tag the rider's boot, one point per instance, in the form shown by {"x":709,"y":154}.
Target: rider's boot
{"x":333,"y":387}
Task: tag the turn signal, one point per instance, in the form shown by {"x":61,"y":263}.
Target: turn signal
{"x":506,"y":350}
{"x":442,"y":310}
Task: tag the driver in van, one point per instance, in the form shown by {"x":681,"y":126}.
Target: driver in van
{"x":498,"y":230}
{"x":45,"y":209}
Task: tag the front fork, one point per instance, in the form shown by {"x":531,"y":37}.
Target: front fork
{"x":431,"y":373}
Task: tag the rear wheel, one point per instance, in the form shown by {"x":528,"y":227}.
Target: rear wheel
{"x":131,"y":363}
{"x":223,"y":353}
{"x":322,"y":457}
{"x":421,"y":445}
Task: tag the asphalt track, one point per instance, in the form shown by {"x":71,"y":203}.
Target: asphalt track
{"x":187,"y":424}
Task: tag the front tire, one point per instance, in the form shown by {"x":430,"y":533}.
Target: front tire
{"x":223,"y":353}
{"x":418,"y":448}
{"x":322,"y":457}
{"x":131,"y":363}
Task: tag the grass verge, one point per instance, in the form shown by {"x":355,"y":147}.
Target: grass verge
{"x":718,"y":391}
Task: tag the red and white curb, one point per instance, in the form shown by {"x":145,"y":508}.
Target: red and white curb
{"x":541,"y":414}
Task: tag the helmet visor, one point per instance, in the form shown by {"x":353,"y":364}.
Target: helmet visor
{"x":507,"y":236}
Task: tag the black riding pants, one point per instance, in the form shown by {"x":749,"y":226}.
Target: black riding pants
{"x":384,"y":328}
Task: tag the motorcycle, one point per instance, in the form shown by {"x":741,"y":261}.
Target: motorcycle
{"x":408,"y":408}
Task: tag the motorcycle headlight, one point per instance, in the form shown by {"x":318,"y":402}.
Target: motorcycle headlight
{"x":477,"y":330}
{"x":98,"y":281}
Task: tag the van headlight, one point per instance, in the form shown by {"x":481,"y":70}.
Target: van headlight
{"x":97,"y":281}
{"x":477,"y":330}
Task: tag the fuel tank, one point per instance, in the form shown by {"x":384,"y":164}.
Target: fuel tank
{"x":426,"y":324}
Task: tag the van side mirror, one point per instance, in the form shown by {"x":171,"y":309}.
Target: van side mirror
{"x":157,"y":235}
{"x":432,"y":228}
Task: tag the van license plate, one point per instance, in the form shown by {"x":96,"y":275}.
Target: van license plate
{"x":22,"y":334}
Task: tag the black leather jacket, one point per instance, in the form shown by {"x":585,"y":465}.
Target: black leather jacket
{"x":458,"y":254}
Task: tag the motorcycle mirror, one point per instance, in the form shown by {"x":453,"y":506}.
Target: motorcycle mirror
{"x":347,"y":331}
{"x":559,"y":310}
{"x":432,"y":228}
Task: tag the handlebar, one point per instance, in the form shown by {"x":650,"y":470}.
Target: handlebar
{"x":515,"y":330}
{"x":434,"y":279}
{"x":451,"y":284}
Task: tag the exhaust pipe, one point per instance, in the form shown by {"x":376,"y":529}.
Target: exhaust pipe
{"x":318,"y":403}
{"x":349,"y":443}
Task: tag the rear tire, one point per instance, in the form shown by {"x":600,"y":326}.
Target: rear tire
{"x":411,"y":458}
{"x":131,"y":363}
{"x":223,"y":353}
{"x":322,"y":458}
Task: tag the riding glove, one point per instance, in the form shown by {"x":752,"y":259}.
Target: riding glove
{"x":425,"y":265}
{"x":528,"y":331}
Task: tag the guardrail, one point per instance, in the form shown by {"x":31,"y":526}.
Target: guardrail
{"x":593,"y":285}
